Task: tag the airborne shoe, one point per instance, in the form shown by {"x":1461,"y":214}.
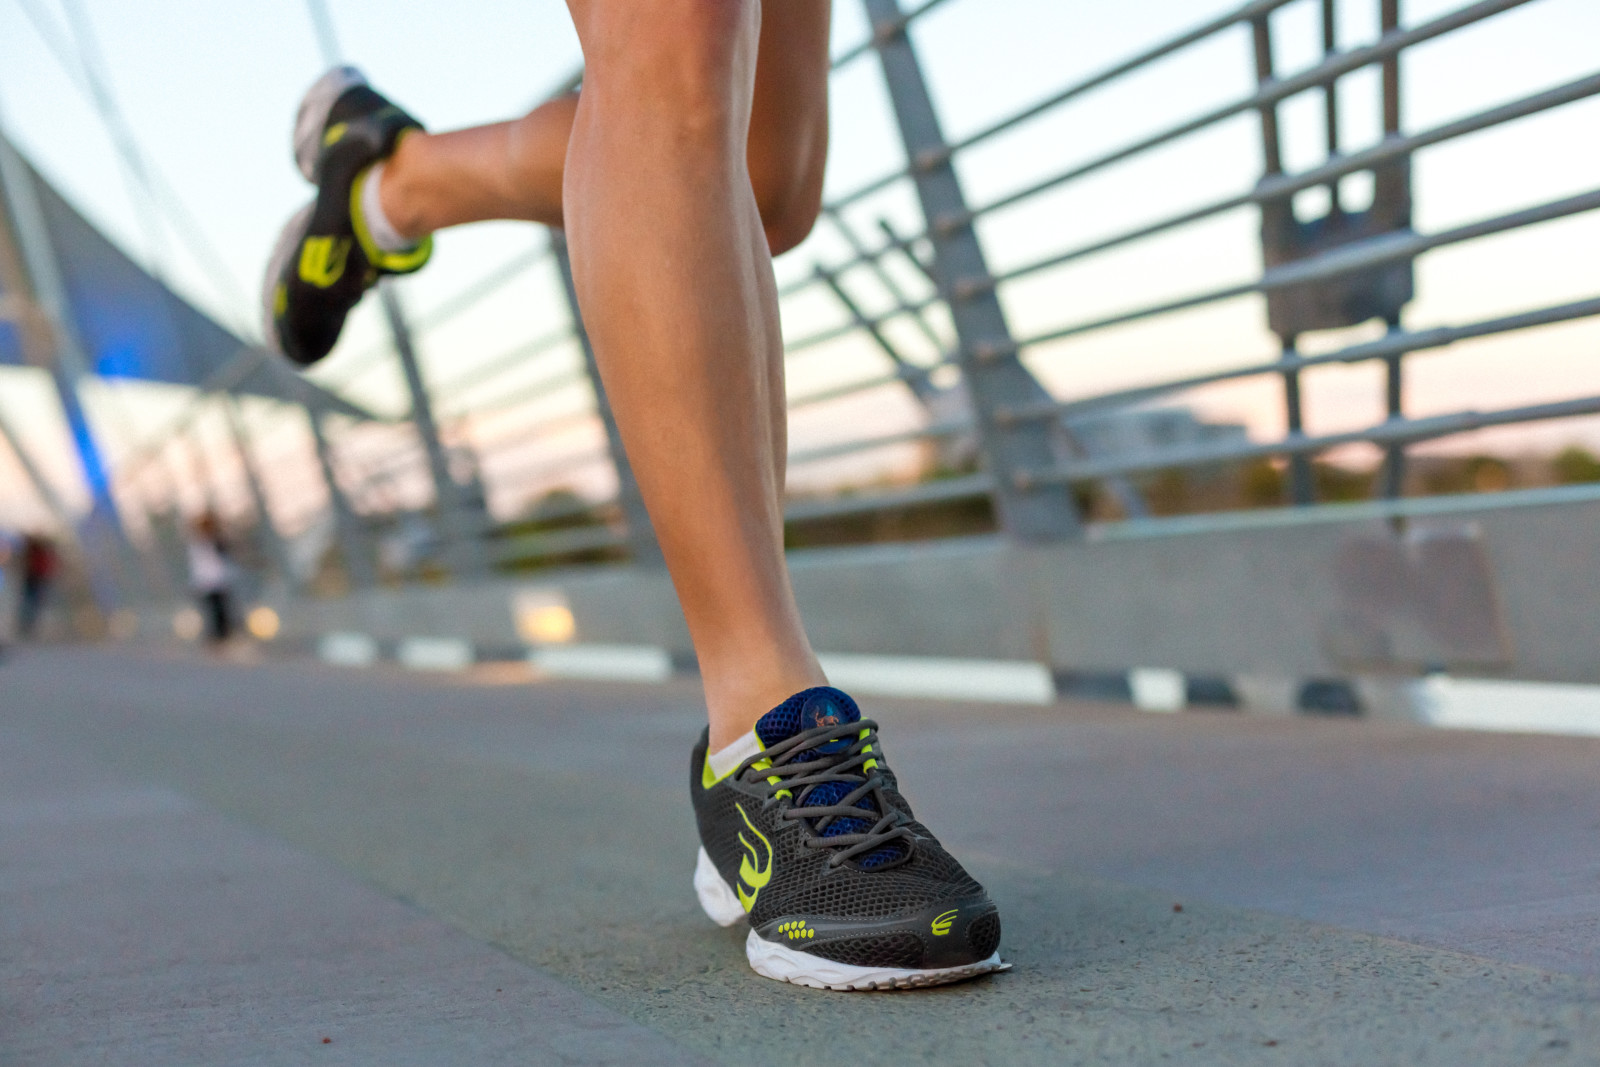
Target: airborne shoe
{"x":325,"y":259}
{"x":810,"y":837}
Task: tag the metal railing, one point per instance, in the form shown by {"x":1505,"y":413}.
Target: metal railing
{"x":922,"y":311}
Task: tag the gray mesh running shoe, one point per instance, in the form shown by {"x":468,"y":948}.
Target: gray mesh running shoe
{"x":325,"y":259}
{"x":810,"y":839}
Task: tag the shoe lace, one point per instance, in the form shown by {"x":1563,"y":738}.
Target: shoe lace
{"x":797,"y":767}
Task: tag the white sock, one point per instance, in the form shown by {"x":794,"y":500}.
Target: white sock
{"x":724,"y":760}
{"x":384,"y":235}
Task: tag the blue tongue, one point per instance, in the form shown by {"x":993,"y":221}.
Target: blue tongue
{"x":807,"y":710}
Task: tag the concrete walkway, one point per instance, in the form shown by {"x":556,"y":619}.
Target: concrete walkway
{"x":209,"y":863}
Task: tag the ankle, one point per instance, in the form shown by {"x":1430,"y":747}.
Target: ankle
{"x":395,"y":198}
{"x":736,"y":701}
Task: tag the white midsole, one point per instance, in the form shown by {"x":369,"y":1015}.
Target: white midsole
{"x":772,"y":960}
{"x":719,"y":901}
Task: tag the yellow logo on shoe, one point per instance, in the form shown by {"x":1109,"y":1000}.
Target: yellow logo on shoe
{"x":941,"y":923}
{"x":797,"y":930}
{"x":752,"y":871}
{"x":322,"y":260}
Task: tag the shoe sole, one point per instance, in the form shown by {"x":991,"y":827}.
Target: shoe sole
{"x":312,"y":116}
{"x":287,"y":247}
{"x":772,"y":960}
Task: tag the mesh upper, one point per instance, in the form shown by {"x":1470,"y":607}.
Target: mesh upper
{"x":806,"y":710}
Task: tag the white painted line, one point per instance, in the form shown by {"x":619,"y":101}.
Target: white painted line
{"x":938,"y":678}
{"x":615,"y":663}
{"x":435,"y":653}
{"x":1513,"y":707}
{"x":1158,"y":689}
{"x":344,"y":648}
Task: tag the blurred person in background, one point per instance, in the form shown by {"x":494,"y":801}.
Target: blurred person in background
{"x":39,"y":564}
{"x":211,"y":577}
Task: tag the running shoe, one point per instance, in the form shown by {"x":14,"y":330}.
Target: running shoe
{"x":325,"y":259}
{"x":809,"y":839}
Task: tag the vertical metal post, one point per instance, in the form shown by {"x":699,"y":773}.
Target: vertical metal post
{"x":102,"y":533}
{"x":346,"y":524}
{"x":461,"y":516}
{"x":642,"y":543}
{"x":276,"y":549}
{"x":987,"y":353}
{"x":1330,"y":99}
{"x":1280,"y":216}
{"x":1394,"y":461}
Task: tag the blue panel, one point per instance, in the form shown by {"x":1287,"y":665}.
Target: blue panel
{"x":133,"y":326}
{"x":10,"y":346}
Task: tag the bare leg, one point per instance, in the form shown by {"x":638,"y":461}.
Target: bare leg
{"x":694,"y":154}
{"x":510,"y":170}
{"x":513,"y":170}
{"x":675,"y":278}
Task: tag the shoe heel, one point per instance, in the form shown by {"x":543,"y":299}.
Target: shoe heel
{"x":721,"y":904}
{"x":312,"y":116}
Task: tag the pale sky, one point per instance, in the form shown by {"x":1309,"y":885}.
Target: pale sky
{"x":209,"y":87}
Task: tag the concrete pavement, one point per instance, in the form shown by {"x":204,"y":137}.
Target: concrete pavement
{"x":212,"y":863}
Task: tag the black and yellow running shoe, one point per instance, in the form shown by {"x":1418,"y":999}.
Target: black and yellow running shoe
{"x":809,"y":838}
{"x":326,"y":259}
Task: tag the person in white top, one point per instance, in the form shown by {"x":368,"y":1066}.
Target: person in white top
{"x":211,"y":576}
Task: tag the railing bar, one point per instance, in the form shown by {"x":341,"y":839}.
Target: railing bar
{"x":962,"y":488}
{"x":839,"y":392}
{"x":1194,"y":36}
{"x":864,"y":444}
{"x":879,"y":33}
{"x":503,"y":275}
{"x":365,"y":362}
{"x":1272,"y":92}
{"x":1355,"y":257}
{"x":1388,"y":346}
{"x":1395,"y":431}
{"x":1279,"y":187}
{"x":1248,"y":11}
{"x":505,"y":361}
{"x":527,"y":395}
{"x":822,"y":337}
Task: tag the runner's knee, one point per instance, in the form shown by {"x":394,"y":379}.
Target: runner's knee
{"x":681,"y":61}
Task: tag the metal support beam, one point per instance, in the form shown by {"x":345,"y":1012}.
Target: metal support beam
{"x":462,"y":519}
{"x":986,"y":352}
{"x":353,"y":544}
{"x":1277,"y":223}
{"x":1394,"y":460}
{"x":642,"y":544}
{"x":33,"y":273}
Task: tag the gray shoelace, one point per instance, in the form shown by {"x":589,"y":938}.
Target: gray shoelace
{"x":847,"y":766}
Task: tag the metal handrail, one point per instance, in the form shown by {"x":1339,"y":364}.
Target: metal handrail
{"x":1395,"y":343}
{"x":1348,"y":259}
{"x":1394,"y":431}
